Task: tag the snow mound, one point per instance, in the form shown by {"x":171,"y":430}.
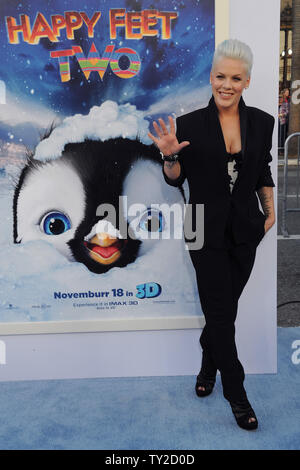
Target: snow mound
{"x":103,"y":122}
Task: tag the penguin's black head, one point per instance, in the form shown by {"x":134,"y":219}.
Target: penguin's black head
{"x":67,"y":201}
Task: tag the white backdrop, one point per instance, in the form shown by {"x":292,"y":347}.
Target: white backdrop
{"x":177,"y":352}
{"x":258,"y":24}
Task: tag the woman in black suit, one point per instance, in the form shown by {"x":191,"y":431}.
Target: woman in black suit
{"x":224,"y":152}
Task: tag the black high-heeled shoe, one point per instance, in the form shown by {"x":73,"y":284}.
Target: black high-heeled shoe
{"x":243,"y":411}
{"x":206,"y":383}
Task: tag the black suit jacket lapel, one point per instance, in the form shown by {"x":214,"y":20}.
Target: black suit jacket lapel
{"x":214,"y":117}
{"x":243,"y":125}
{"x":218,"y":144}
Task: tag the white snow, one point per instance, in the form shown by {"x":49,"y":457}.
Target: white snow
{"x":103,"y":122}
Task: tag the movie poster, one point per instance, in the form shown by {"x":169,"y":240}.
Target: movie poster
{"x":85,"y":234}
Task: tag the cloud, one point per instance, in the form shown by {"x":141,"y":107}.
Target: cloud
{"x":17,"y":111}
{"x":181,"y":103}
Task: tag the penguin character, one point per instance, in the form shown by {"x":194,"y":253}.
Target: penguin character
{"x":57,"y":200}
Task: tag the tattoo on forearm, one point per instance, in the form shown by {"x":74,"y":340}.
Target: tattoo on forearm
{"x":266,"y":202}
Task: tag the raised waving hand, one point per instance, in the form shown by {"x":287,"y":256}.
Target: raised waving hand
{"x":165,"y":139}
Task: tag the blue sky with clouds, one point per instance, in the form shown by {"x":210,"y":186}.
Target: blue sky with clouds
{"x":172,"y":73}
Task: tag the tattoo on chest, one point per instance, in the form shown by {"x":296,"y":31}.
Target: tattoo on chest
{"x":170,"y":164}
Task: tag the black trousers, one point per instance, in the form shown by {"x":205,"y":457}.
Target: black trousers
{"x":221,"y":277}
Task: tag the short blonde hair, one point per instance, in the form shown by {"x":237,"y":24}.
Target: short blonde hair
{"x":234,"y":49}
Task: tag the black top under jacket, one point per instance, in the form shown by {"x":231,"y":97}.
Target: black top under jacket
{"x":204,"y":165}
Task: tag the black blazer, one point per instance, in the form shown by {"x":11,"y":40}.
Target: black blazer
{"x":204,"y":165}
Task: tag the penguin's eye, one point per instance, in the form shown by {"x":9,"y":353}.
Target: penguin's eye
{"x":152,"y":221}
{"x":55,"y":223}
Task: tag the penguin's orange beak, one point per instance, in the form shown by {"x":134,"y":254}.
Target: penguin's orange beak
{"x":105,"y":249}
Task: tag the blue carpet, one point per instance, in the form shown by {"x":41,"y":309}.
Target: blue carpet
{"x":151,"y":412}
